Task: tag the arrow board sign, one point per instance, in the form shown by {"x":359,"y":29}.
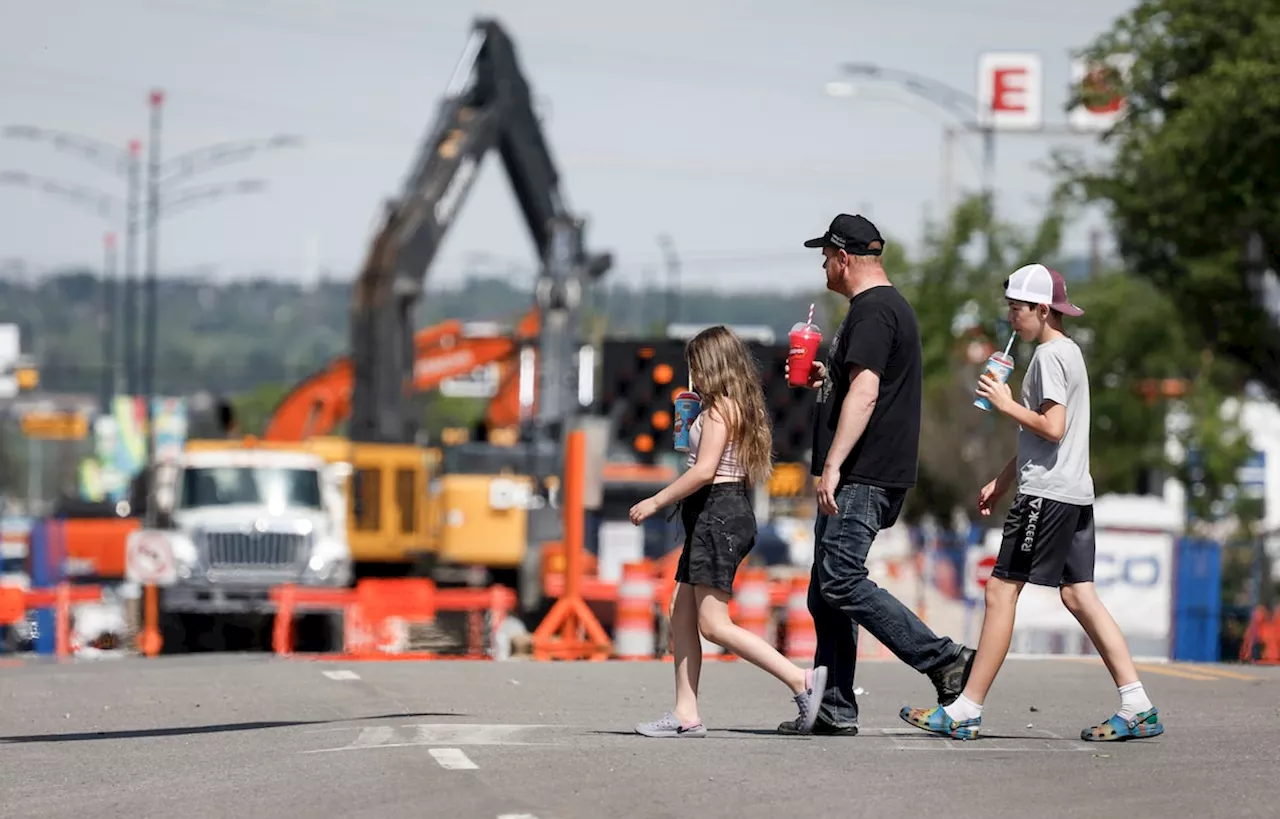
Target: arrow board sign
{"x":148,"y":559}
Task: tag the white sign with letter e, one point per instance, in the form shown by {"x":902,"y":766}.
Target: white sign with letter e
{"x":1010,"y":91}
{"x":148,"y":558}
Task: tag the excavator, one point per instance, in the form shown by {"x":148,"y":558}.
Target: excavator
{"x":320,"y":403}
{"x":487,"y":505}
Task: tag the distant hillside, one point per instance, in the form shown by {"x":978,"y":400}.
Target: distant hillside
{"x":233,"y":337}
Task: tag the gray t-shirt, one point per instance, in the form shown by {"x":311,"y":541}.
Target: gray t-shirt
{"x":1058,"y":471}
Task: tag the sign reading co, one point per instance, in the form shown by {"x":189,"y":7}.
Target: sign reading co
{"x":1138,"y":571}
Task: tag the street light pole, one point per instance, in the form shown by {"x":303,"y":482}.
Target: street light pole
{"x":120,"y":348}
{"x":127,"y":163}
{"x":109,"y":307}
{"x":129,"y":319}
{"x":153,"y":247}
{"x":958,"y":104}
{"x":962,"y":106}
{"x":672,"y":262}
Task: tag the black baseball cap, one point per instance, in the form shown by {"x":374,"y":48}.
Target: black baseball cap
{"x":852,"y":234}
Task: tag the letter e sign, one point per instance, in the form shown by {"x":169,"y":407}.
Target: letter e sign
{"x":1010,"y":91}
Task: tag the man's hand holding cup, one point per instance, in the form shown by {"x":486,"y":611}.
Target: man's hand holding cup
{"x":817,"y":374}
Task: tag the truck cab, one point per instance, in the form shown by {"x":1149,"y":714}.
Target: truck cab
{"x":242,"y":520}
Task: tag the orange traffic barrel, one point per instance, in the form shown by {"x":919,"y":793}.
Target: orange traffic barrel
{"x":633,"y":633}
{"x":752,"y":598}
{"x":802,"y":637}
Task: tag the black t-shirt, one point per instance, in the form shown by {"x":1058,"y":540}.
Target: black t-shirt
{"x":879,"y":333}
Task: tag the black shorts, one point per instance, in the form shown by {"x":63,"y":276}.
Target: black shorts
{"x":719,"y":532}
{"x":1047,"y":543}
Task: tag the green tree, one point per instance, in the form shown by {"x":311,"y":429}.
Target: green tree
{"x":1194,"y":172}
{"x":1208,"y":422}
{"x":253,"y":408}
{"x":1134,"y":345}
{"x":442,"y":411}
{"x":957,"y":297}
{"x":1133,"y":341}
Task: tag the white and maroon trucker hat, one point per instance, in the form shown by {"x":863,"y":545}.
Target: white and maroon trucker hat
{"x":1038,"y":284}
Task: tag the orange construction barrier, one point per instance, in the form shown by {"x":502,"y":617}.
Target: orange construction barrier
{"x":802,"y":638}
{"x":377,"y":609}
{"x":1271,"y":647}
{"x":13,"y":605}
{"x":290,"y":598}
{"x":384,"y":608}
{"x":494,"y":602}
{"x":1261,"y":644}
{"x":752,"y":599}
{"x":15,"y":602}
{"x":570,"y":630}
{"x":633,"y":631}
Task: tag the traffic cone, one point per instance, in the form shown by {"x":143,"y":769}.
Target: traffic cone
{"x":802,"y":637}
{"x":633,"y":636}
{"x":752,"y":598}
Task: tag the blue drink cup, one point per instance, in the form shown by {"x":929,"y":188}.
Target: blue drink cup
{"x":687,"y":407}
{"x":999,"y":367}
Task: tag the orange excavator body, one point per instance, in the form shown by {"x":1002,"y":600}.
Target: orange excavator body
{"x":322,"y":401}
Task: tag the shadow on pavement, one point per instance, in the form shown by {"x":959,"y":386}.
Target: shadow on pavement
{"x":711,"y":733}
{"x":192,"y":730}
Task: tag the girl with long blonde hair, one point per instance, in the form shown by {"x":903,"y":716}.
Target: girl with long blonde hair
{"x":730,"y":452}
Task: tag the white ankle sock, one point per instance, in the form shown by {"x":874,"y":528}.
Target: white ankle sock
{"x":1133,"y":700}
{"x":963,"y":709}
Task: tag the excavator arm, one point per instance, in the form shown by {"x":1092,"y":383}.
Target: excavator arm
{"x":322,"y":401}
{"x":487,"y":106}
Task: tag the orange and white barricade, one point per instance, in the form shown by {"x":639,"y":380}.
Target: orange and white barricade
{"x":16,"y":601}
{"x":633,"y":632}
{"x":802,"y":637}
{"x":752,"y":602}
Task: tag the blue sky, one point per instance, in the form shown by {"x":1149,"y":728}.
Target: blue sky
{"x":698,"y":120}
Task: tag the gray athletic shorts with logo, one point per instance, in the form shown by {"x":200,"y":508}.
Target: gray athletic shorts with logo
{"x":1047,"y":543}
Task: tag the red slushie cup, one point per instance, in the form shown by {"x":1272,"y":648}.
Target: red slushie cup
{"x":805,"y":339}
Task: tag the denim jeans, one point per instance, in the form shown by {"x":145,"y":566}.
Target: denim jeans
{"x":842,"y":597}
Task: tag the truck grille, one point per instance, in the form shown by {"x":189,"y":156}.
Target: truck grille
{"x":253,"y":550}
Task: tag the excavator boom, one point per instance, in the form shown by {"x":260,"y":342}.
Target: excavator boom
{"x":487,"y":106}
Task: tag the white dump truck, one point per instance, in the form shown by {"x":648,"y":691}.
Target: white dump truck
{"x":241,"y":520}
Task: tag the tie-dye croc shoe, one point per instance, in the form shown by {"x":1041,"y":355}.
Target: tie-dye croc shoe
{"x":935,"y":721}
{"x":1117,"y":728}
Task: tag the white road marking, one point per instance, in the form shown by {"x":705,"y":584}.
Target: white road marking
{"x":374,"y":737}
{"x":471,"y":734}
{"x":343,"y":674}
{"x":453,"y":759}
{"x":516,"y":816}
{"x":387,"y":736}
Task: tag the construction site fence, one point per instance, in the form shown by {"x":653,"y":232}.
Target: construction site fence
{"x":378,"y":616}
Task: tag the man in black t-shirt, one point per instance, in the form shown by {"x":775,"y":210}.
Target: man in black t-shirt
{"x":866,"y":434}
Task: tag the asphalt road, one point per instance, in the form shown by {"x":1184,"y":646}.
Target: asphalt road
{"x":256,"y":736}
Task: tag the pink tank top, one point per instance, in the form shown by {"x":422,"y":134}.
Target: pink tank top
{"x":728,"y":466}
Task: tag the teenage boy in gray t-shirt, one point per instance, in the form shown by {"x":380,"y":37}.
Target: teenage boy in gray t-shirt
{"x":1048,"y":534}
